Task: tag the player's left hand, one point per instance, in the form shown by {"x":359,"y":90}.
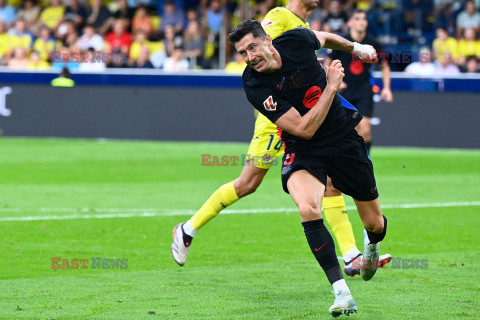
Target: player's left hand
{"x":365,"y":52}
{"x":387,"y":95}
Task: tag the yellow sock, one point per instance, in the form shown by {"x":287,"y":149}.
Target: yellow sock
{"x":219,"y":200}
{"x":337,"y":218}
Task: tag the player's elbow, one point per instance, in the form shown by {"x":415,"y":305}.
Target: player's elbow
{"x":306,"y":133}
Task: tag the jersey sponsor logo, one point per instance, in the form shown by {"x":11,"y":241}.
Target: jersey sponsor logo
{"x":356,"y":67}
{"x":269,"y":104}
{"x":311,"y":97}
{"x":267,"y":23}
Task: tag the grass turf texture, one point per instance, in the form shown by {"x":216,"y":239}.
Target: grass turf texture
{"x":242,"y":266}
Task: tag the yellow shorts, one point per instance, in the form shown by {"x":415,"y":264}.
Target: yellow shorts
{"x":265,"y":146}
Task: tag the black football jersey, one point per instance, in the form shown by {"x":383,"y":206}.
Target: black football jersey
{"x":298,"y":84}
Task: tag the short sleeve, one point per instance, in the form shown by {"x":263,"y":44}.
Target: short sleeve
{"x":267,"y":102}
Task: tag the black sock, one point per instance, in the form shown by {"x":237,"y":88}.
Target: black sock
{"x":368,"y":145}
{"x":323,"y":248}
{"x":377,"y":237}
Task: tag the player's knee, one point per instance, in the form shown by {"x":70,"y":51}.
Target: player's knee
{"x":375,"y":226}
{"x":309,"y":211}
{"x":244,"y":187}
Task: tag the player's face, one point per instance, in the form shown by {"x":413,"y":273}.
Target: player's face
{"x":359,"y":22}
{"x":257,"y":53}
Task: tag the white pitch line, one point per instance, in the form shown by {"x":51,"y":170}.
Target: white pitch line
{"x":138,"y":213}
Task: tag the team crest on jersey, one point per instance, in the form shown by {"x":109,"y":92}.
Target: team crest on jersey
{"x":267,"y":23}
{"x":269,"y":104}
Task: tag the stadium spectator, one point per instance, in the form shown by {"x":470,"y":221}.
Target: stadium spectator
{"x":92,"y":61}
{"x":415,"y":15}
{"x":216,"y":17}
{"x":423,"y":66}
{"x":191,"y":15}
{"x":136,"y":3}
{"x":67,"y":31}
{"x":443,"y":42}
{"x":446,"y":65}
{"x":7,"y":14}
{"x":194,"y":43}
{"x":36,"y":63}
{"x":471,"y":65}
{"x":45,"y":43}
{"x":140,"y":41}
{"x":90,"y":39}
{"x":19,"y":36}
{"x":123,"y":11}
{"x":237,"y":65}
{"x":52,"y":16}
{"x":215,"y":20}
{"x":143,"y":59}
{"x":171,"y":39}
{"x":19,"y":61}
{"x":171,"y":16}
{"x":176,"y":62}
{"x":29,"y":12}
{"x":468,"y":18}
{"x":76,"y":13}
{"x":119,"y":40}
{"x":142,"y":20}
{"x":99,"y":16}
{"x":336,"y":18}
{"x":467,"y":46}
{"x":4,"y":44}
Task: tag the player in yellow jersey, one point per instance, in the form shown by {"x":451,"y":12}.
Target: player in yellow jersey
{"x":267,"y":146}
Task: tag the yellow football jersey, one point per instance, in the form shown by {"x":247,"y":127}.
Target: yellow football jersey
{"x":277,"y":21}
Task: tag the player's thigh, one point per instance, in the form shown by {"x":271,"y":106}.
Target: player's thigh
{"x":351,"y":169}
{"x":265,"y":148}
{"x":371,"y":214}
{"x":307,"y":193}
{"x":330,"y":189}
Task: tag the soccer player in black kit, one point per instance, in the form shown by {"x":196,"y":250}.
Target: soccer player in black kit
{"x":356,"y":86}
{"x":285,"y":82}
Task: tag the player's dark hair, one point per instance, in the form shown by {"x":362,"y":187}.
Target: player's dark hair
{"x":245,"y":27}
{"x":354,"y":12}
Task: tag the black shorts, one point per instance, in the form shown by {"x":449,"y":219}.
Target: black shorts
{"x":345,"y":160}
{"x":361,"y":98}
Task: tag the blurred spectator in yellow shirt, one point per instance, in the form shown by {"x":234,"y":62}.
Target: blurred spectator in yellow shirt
{"x":468,"y":46}
{"x":36,"y":63}
{"x":443,"y":43}
{"x":236,"y":66}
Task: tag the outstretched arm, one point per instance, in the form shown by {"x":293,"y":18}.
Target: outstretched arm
{"x":365,"y":52}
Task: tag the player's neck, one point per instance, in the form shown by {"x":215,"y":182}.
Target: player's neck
{"x":298,"y":8}
{"x":276,"y":62}
{"x":357,"y":36}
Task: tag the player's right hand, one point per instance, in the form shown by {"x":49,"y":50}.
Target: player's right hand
{"x":335,"y":74}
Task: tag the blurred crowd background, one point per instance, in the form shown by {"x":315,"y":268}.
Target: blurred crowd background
{"x":177,"y":35}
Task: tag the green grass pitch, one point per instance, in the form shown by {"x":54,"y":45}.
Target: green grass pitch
{"x":78,"y":199}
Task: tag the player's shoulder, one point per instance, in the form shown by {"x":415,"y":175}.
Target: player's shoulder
{"x":371,"y":40}
{"x":278,"y":15}
{"x":300,"y":32}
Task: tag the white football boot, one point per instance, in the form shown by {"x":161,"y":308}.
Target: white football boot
{"x":371,"y":255}
{"x":343,"y":304}
{"x":179,"y":247}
